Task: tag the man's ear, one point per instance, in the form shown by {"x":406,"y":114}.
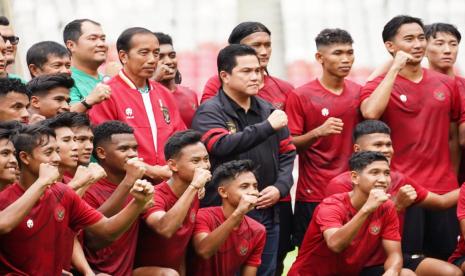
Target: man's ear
{"x":319,"y":57}
{"x":354,"y":177}
{"x":35,"y":102}
{"x":222,"y":192}
{"x":172,"y":165}
{"x":70,"y":45}
{"x":357,"y":148}
{"x":100,"y":152}
{"x":224,"y":76}
{"x":34,"y":70}
{"x":123,"y":57}
{"x":392,"y":49}
{"x":24,"y":158}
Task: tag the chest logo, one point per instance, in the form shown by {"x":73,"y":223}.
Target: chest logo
{"x":29,"y":223}
{"x":231,"y":127}
{"x":166,"y":114}
{"x":439,"y":95}
{"x":325,"y":112}
{"x":59,"y":213}
{"x":243,"y":248}
{"x":129,"y":113}
{"x":375,"y":229}
{"x":279,"y":106}
{"x":403,"y":98}
{"x":192,"y":216}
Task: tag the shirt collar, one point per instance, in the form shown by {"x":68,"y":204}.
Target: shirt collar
{"x":129,"y":82}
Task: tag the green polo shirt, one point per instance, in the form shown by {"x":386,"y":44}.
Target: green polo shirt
{"x":83,"y":84}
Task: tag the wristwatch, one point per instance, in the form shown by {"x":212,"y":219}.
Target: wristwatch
{"x":85,"y":104}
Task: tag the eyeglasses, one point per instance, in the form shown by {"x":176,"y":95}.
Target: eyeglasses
{"x":12,"y":39}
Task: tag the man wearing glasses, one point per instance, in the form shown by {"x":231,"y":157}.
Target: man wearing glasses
{"x":11,"y":41}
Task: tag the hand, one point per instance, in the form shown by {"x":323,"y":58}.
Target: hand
{"x":82,"y":178}
{"x":162,"y":71}
{"x":100,"y":93}
{"x":391,"y":272}
{"x":135,"y":168}
{"x":405,"y":197}
{"x":330,"y":126}
{"x":246,"y":204}
{"x":201,"y":177}
{"x":400,"y":60}
{"x":277,"y":119}
{"x":158,"y":172}
{"x":375,"y":199}
{"x":66,"y":273}
{"x":142,"y":191}
{"x":35,"y":118}
{"x":48,"y":174}
{"x":201,"y":193}
{"x":96,"y":171}
{"x":112,"y":68}
{"x":268,"y":197}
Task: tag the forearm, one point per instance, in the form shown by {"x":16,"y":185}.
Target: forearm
{"x":393,"y":262}
{"x":79,"y":259}
{"x":454,"y":147}
{"x":116,"y":201}
{"x":213,"y":241}
{"x":441,"y":202}
{"x":249,"y":271}
{"x":285,"y":179}
{"x":78,"y":107}
{"x":304,"y":141}
{"x":373,"y":107}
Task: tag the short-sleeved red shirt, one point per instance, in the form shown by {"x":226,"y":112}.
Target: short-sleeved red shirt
{"x":419,"y":115}
{"x":155,"y":250}
{"x":37,"y":245}
{"x":460,"y":250}
{"x":187,"y":102}
{"x":244,"y":246}
{"x":117,"y":258}
{"x":315,"y":258}
{"x":308,"y":107}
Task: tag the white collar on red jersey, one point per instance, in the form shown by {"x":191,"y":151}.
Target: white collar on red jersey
{"x":129,"y":82}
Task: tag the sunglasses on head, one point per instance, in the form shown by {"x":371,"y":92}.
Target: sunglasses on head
{"x":12,"y":39}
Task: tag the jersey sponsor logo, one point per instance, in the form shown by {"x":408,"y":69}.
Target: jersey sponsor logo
{"x":243,"y":248}
{"x":439,"y":95}
{"x":325,"y":112}
{"x":403,"y":98}
{"x":129,"y":113}
{"x":166,"y":114}
{"x":30,"y":223}
{"x":59,"y":213}
{"x":231,"y":127}
{"x":375,"y":228}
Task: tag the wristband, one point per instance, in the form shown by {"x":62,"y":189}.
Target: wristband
{"x":195,"y":187}
{"x":85,"y":104}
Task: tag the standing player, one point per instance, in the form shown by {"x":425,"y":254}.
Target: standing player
{"x":322,"y":114}
{"x":417,"y":102}
{"x":228,"y":242}
{"x":48,"y":57}
{"x":168,"y":75}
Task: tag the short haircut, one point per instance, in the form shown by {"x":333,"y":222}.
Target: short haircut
{"x":164,"y":38}
{"x":8,"y":85}
{"x":360,"y":160}
{"x":27,"y":138}
{"x":41,"y":85}
{"x":333,"y":36}
{"x":39,"y":53}
{"x":64,"y":119}
{"x":227,"y":57}
{"x":245,"y":29}
{"x":4,"y":21}
{"x":432,"y":29}
{"x":73,"y":31}
{"x":124,"y":40}
{"x":80,"y":119}
{"x":104,"y":131}
{"x":180,"y":140}
{"x":8,"y":129}
{"x":230,"y":170}
{"x":391,"y":28}
{"x":369,"y":127}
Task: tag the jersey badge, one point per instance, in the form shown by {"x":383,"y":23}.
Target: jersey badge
{"x":403,"y":98}
{"x":29,"y":223}
{"x":375,"y":229}
{"x":439,"y":95}
{"x":325,"y":112}
{"x":129,"y":113}
{"x":59,"y":213}
{"x":231,"y":127}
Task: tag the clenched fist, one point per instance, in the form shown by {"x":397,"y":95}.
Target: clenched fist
{"x":375,"y":199}
{"x":142,"y":191}
{"x":277,"y":119}
{"x":330,"y":126}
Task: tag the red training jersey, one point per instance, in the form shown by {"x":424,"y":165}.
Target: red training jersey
{"x":315,"y":258}
{"x":153,"y":115}
{"x":243,"y":247}
{"x":155,"y":250}
{"x":460,"y":250}
{"x":187,"y":102}
{"x":38,"y":245}
{"x":419,"y":115}
{"x":308,"y":107}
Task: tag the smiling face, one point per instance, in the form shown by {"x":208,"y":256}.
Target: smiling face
{"x":91,"y":47}
{"x":376,"y":175}
{"x":8,"y":162}
{"x":168,"y":58}
{"x":11,"y":42}
{"x":46,"y":151}
{"x":409,"y":38}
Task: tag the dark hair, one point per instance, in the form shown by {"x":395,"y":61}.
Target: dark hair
{"x":41,"y":85}
{"x":80,"y":119}
{"x":333,"y":36}
{"x":4,"y":21}
{"x":8,"y":129}
{"x":230,"y":170}
{"x":360,"y":160}
{"x":124,"y":40}
{"x":391,"y":28}
{"x":38,"y":53}
{"x":432,"y":29}
{"x":28,"y":137}
{"x":104,"y":131}
{"x":245,"y":29}
{"x":64,"y":119}
{"x":226,"y":60}
{"x":369,"y":127}
{"x":180,"y":140}
{"x":73,"y":29}
{"x":164,"y":38}
{"x":8,"y":85}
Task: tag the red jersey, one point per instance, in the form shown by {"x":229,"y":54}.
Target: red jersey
{"x":243,"y":247}
{"x":37,"y":246}
{"x":153,"y":115}
{"x":308,"y":107}
{"x":155,"y":250}
{"x":315,"y":258}
{"x":187,"y":102}
{"x":117,"y":258}
{"x":460,"y":250}
{"x":274,"y":90}
{"x":419,"y":115}
{"x":461,"y":87}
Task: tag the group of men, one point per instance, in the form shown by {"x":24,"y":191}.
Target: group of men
{"x":126,"y":174}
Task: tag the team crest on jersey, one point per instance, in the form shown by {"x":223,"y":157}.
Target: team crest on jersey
{"x":375,"y":229}
{"x":231,"y":127}
{"x":192,"y":216}
{"x":166,"y":114}
{"x":129,"y":113}
{"x":243,"y":248}
{"x":278,"y":106}
{"x":325,"y":112}
{"x":59,"y":213}
{"x":439,"y":95}
{"x":29,"y":223}
{"x":403,"y":98}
